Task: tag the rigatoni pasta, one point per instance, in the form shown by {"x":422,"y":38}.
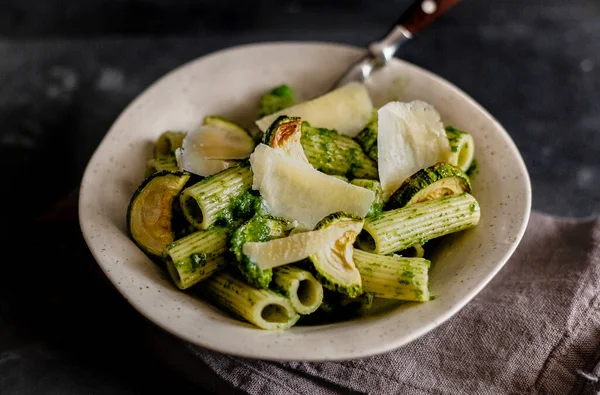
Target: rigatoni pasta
{"x":393,"y":277}
{"x":300,"y":286}
{"x":155,"y":165}
{"x":398,"y":229}
{"x":167,"y":143}
{"x":462,"y":148}
{"x":205,"y":202}
{"x":302,"y":224}
{"x":197,"y":256}
{"x":335,"y":154}
{"x":264,"y":308}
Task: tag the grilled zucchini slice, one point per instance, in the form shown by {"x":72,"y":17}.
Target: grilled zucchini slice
{"x":284,"y":134}
{"x":150,"y":211}
{"x":334,"y":265}
{"x":439,"y":180}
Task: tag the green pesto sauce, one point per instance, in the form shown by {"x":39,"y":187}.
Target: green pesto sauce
{"x":453,"y":135}
{"x":408,"y":274}
{"x":375,"y":210}
{"x":240,"y":209}
{"x":473,"y":169}
{"x":368,"y":270}
{"x":258,"y":229}
{"x":197,"y":261}
{"x":452,"y":130}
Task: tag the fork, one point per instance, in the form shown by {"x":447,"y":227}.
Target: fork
{"x":416,"y":18}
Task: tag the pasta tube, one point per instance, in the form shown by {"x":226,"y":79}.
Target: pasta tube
{"x":462,"y":148}
{"x":262,"y":307}
{"x":196,"y":256}
{"x":210,"y":199}
{"x":300,"y":286}
{"x":398,"y":229}
{"x":167,"y":143}
{"x":393,"y":277}
{"x":335,"y":154}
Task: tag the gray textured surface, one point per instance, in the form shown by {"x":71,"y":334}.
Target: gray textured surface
{"x":67,"y":68}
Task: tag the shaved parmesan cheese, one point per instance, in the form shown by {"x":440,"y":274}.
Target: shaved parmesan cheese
{"x":212,"y":142}
{"x":346,"y":109}
{"x":294,"y":248}
{"x":410,"y":137}
{"x":200,"y":166}
{"x":297,"y":192}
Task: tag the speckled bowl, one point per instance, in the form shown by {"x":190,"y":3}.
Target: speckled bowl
{"x":229,"y":83}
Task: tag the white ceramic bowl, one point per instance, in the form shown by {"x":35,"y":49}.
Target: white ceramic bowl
{"x":229,"y":83}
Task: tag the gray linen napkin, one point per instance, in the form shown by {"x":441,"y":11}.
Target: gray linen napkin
{"x":535,"y":329}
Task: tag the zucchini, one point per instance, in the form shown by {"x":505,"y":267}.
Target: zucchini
{"x":284,"y":134}
{"x":293,"y":248}
{"x":150,"y":211}
{"x":334,"y":265}
{"x":441,"y":179}
{"x":410,"y":137}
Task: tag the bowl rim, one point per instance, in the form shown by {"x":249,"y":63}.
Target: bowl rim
{"x":341,"y":355}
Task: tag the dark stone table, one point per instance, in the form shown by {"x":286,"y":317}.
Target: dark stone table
{"x":67,"y":69}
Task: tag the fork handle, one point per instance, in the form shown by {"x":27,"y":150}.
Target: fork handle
{"x":422,"y":13}
{"x":416,"y":18}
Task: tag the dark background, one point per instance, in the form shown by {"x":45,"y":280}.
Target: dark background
{"x":69,"y":67}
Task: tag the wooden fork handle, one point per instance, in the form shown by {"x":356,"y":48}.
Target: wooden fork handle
{"x":422,"y":13}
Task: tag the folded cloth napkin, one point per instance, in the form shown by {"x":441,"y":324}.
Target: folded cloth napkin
{"x":534,"y":329}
